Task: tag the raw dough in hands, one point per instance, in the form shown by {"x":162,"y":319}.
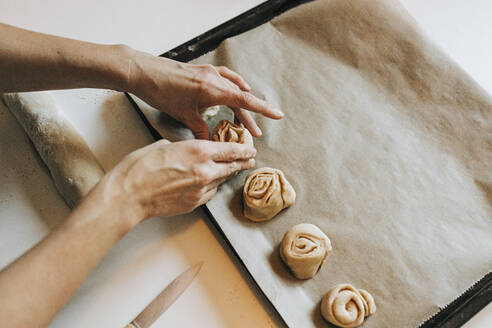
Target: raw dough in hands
{"x":210,"y":112}
{"x":304,"y":249}
{"x":346,"y":306}
{"x":265,"y":193}
{"x":72,"y":165}
{"x":227,"y":131}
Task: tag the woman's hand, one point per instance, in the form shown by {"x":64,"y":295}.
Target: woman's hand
{"x":184,"y":90}
{"x":32,"y":61}
{"x":173,"y":178}
{"x":161,"y":178}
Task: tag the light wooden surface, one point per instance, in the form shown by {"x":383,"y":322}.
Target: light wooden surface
{"x":154,"y":253}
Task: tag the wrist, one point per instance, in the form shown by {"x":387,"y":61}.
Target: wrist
{"x":133,"y":71}
{"x":120,"y":198}
{"x":108,"y":202}
{"x":121,"y":65}
{"x":150,"y":75}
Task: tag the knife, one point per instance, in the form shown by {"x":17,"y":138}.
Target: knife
{"x":166,"y":298}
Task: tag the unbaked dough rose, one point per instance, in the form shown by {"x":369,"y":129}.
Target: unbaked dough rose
{"x":227,"y":131}
{"x":304,"y":249}
{"x":346,"y":306}
{"x":266,"y":192}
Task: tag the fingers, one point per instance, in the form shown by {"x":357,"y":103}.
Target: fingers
{"x":208,"y":196}
{"x":240,"y":98}
{"x":231,"y":90}
{"x":233,"y":77}
{"x":243,"y":116}
{"x":199,"y":127}
{"x":226,"y":169}
{"x":217,"y":182}
{"x":230,"y":151}
{"x":246,"y":100}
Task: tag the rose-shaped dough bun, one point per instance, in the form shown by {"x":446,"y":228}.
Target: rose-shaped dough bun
{"x":346,"y":306}
{"x":266,"y":192}
{"x":227,"y":131}
{"x":304,"y":249}
{"x":369,"y":303}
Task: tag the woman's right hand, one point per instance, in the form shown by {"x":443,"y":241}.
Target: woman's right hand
{"x":168,"y":179}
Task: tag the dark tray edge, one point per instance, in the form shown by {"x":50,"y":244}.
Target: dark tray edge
{"x":464,"y":307}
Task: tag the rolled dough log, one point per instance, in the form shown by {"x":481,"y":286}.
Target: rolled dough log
{"x":72,"y":165}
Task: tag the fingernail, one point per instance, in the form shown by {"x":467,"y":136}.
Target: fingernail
{"x":251,"y":162}
{"x":247,"y":85}
{"x":258,"y":131}
{"x":278,"y":112}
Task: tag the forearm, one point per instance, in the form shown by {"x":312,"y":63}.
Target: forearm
{"x":31,"y":61}
{"x":36,"y":286}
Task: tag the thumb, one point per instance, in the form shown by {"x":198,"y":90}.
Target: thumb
{"x":199,"y":127}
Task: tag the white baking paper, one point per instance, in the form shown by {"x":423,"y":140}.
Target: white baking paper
{"x":388,"y":144}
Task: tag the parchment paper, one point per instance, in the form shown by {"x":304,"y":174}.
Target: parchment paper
{"x":389,"y":146}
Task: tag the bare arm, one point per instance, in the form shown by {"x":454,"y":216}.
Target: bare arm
{"x":162,"y":178}
{"x":37,"y":285}
{"x":31,"y":61}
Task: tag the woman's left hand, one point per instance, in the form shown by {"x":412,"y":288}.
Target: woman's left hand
{"x":184,"y":90}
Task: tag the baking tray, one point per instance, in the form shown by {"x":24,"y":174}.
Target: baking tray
{"x":455,"y":313}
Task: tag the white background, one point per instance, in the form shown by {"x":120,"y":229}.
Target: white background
{"x":159,"y":249}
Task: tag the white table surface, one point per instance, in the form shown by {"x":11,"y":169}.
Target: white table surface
{"x":159,"y":249}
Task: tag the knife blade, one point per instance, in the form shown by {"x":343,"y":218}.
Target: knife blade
{"x":166,"y":298}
